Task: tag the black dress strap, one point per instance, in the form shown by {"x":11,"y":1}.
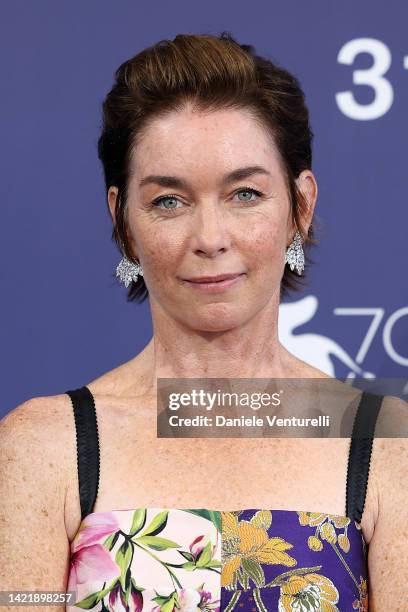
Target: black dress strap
{"x":87,"y":441}
{"x":360,"y":453}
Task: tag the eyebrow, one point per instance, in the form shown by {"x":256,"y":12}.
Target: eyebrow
{"x":178,"y":183}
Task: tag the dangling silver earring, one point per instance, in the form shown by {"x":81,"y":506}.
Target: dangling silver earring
{"x":294,"y":255}
{"x":128,"y":271}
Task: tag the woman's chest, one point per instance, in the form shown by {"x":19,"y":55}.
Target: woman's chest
{"x":231,"y":473}
{"x":138,"y":469}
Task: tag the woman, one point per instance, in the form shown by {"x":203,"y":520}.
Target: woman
{"x":206,"y":150}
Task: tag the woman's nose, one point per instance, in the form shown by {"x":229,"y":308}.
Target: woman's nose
{"x":211,"y":229}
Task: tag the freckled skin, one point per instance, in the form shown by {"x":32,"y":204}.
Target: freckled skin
{"x":213,"y":230}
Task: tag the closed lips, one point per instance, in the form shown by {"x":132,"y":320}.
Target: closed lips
{"x":213,"y":279}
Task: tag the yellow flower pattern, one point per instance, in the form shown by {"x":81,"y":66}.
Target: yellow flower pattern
{"x":250,"y":546}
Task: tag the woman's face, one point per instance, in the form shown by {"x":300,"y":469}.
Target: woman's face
{"x":210,"y":219}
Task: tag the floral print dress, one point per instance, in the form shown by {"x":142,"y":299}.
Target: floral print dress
{"x":249,"y":560}
{"x":164,"y":560}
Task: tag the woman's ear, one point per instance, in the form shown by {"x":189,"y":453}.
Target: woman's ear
{"x":306,"y":183}
{"x":112,"y":195}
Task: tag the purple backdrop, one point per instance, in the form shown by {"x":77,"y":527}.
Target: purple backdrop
{"x":64,"y":320}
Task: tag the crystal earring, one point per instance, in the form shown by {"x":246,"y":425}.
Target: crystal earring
{"x":294,"y":255}
{"x":128,"y":271}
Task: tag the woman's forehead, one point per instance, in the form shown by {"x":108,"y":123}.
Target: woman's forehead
{"x":192,"y":124}
{"x":191,"y":142}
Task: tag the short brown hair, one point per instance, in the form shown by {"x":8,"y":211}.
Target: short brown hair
{"x":214,"y":72}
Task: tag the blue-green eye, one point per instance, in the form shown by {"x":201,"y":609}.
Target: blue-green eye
{"x":163,"y":199}
{"x":250,"y":191}
{"x":157,"y":203}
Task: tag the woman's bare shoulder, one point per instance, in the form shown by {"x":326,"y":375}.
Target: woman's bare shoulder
{"x":389,"y":471}
{"x":390,"y":446}
{"x":34,"y":454}
{"x":41,"y":428}
{"x":40,"y":414}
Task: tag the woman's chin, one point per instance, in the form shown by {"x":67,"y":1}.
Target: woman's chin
{"x":218,"y":319}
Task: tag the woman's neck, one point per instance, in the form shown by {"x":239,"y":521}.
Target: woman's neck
{"x":219,"y":358}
